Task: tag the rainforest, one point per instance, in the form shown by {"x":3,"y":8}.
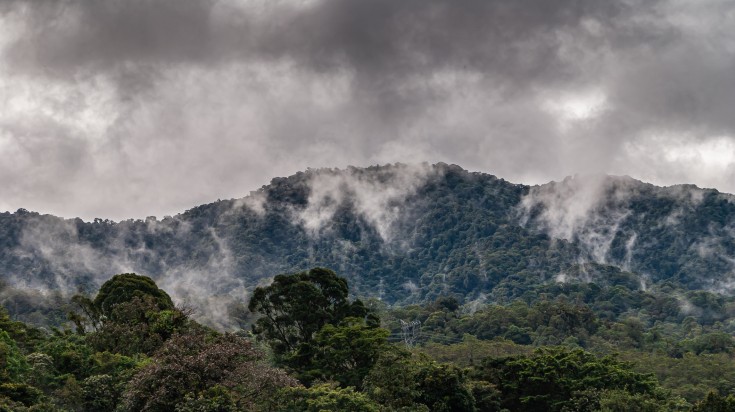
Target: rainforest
{"x":396,"y":287}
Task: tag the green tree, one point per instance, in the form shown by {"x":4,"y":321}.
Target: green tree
{"x":619,"y":400}
{"x":297,"y":306}
{"x":13,"y":365}
{"x":715,"y":403}
{"x":129,"y":315}
{"x":215,"y":399}
{"x":443,"y":387}
{"x":346,"y":352}
{"x":551,"y":378}
{"x":89,"y":319}
{"x":325,"y":398}
{"x":392,"y":382}
{"x":71,"y":355}
{"x":124,"y":287}
{"x":401,"y":381}
{"x":25,"y":337}
{"x":138,"y":326}
{"x":188,"y":366}
{"x":20,"y":392}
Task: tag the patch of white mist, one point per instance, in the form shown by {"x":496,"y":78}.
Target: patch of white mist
{"x":474,"y":305}
{"x":410,"y":287}
{"x":629,"y":250}
{"x":686,"y":307}
{"x":378,"y":195}
{"x":56,"y":243}
{"x":588,"y":209}
{"x":687,"y":198}
{"x":208,"y":291}
{"x":255,"y":202}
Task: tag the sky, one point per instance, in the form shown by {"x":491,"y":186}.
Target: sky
{"x":129,"y":108}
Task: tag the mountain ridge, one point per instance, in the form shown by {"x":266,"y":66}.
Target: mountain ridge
{"x":400,"y":233}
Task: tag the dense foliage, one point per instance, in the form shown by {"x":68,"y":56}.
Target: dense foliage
{"x":314,"y":348}
{"x":609,"y":295}
{"x":404,"y":234}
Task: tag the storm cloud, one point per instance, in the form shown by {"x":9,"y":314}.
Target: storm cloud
{"x":122,"y":109}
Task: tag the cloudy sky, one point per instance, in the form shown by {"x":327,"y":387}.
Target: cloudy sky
{"x":129,"y":108}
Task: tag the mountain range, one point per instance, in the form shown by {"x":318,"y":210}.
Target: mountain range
{"x":399,"y":233}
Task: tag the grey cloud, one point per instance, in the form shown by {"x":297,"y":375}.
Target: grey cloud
{"x":383,"y":37}
{"x":151,"y":107}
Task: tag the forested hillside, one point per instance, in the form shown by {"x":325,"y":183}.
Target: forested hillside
{"x":402,"y":234}
{"x":313,"y":348}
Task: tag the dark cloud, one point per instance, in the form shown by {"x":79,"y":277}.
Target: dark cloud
{"x":149,"y":107}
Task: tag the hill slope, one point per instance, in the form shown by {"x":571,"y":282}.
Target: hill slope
{"x":400,"y":233}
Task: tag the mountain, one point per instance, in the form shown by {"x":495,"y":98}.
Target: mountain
{"x":401,"y":233}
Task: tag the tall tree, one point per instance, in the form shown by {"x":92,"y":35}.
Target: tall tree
{"x":196,"y":371}
{"x":296,"y":306}
{"x":124,"y":287}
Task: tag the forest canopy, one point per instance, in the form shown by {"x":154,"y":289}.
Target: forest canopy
{"x":313,"y":347}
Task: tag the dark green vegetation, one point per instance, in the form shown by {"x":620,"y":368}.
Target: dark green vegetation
{"x":405,"y":234}
{"x":314,"y":348}
{"x":132,"y":351}
{"x":593,"y":293}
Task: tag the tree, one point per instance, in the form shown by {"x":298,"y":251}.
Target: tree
{"x":124,"y":287}
{"x":186,"y":369}
{"x":442,"y":387}
{"x":392,"y":382}
{"x":296,"y":306}
{"x":325,"y":398}
{"x":400,"y":381}
{"x":715,"y":403}
{"x":90,"y":318}
{"x":13,"y":365}
{"x":346,"y":352}
{"x":551,"y":378}
{"x":129,"y":315}
{"x":138,"y":326}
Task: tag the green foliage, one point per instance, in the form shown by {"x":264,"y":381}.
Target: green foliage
{"x":618,"y":400}
{"x":470,"y":351}
{"x":392,"y":382}
{"x":689,"y":376}
{"x":400,"y":381}
{"x":713,"y":342}
{"x":214,"y":399}
{"x":21,"y":393}
{"x":42,"y":372}
{"x":70,"y":354}
{"x":129,"y":315}
{"x":297,"y":306}
{"x":443,"y":387}
{"x":456,"y":233}
{"x":346,"y":352}
{"x":91,"y":316}
{"x":124,"y":288}
{"x":138,"y":326}
{"x":325,"y":397}
{"x":457,"y":260}
{"x":715,"y":403}
{"x":13,"y":365}
{"x":23,"y":335}
{"x":550,"y":378}
{"x":188,"y":366}
{"x":100,"y":393}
